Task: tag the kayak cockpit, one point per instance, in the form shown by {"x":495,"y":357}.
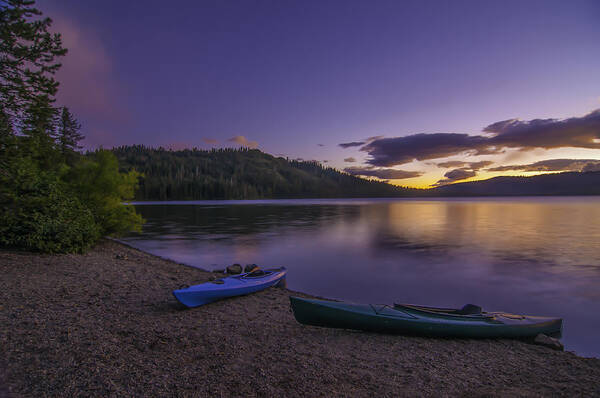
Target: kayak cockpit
{"x":468,"y":310}
{"x":257,"y":274}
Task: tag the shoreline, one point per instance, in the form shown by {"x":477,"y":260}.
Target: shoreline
{"x":348,"y":200}
{"x":106,"y":323}
{"x":127,"y":245}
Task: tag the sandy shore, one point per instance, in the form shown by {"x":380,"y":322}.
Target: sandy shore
{"x":105,"y":324}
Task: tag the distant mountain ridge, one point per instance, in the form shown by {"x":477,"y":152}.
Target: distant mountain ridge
{"x":568,"y":183}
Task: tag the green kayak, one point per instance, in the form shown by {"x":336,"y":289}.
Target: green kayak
{"x":468,"y":322}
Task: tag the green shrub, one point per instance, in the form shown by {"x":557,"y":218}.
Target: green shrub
{"x":37,"y":213}
{"x":97,"y":182}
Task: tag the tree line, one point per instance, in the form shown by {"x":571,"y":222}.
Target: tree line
{"x":52,"y":199}
{"x":195,"y":174}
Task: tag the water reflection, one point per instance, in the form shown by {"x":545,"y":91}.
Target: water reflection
{"x":535,"y":255}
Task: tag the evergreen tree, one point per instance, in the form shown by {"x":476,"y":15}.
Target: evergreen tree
{"x":28,"y":55}
{"x":5,"y":126}
{"x":68,"y":135}
{"x":7,"y":139}
{"x":37,"y":126}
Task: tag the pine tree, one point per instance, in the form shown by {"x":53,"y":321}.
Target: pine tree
{"x":68,"y":135}
{"x":6,"y":129}
{"x":38,"y":124}
{"x":28,"y":55}
{"x":7,"y":146}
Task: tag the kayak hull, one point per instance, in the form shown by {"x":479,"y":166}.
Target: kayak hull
{"x":400,"y":320}
{"x":232,"y":286}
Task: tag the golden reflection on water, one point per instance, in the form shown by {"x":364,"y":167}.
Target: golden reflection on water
{"x":559,"y":232}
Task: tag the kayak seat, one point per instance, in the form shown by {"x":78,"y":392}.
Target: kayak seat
{"x":256,"y":273}
{"x":469,"y":309}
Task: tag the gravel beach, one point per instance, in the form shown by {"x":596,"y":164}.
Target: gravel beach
{"x":105,"y":324}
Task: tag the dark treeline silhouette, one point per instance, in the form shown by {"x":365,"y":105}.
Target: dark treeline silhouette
{"x":569,"y":183}
{"x":194,"y":174}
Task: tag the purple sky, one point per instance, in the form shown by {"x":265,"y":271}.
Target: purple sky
{"x":290,"y":75}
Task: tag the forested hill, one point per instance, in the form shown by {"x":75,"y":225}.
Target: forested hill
{"x":569,"y":183}
{"x":194,"y":174}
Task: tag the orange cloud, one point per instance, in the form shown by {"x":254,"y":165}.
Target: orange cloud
{"x":554,"y":165}
{"x":384,"y":174}
{"x":242,"y":141}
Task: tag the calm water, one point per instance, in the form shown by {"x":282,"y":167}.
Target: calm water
{"x":524,"y":255}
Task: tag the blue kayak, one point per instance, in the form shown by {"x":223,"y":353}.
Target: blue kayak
{"x":230,"y":286}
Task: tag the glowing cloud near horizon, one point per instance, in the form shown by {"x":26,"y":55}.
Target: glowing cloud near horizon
{"x":496,"y":141}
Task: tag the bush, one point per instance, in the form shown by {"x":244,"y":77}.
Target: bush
{"x":37,"y":213}
{"x":97,"y":182}
{"x":42,"y":211}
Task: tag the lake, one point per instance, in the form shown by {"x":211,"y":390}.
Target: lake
{"x":527,"y":255}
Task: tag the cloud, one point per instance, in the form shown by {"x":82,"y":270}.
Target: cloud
{"x":578,"y":132}
{"x":460,"y":174}
{"x":456,"y":175}
{"x":384,"y":174}
{"x":210,"y":141}
{"x":479,"y":165}
{"x":349,"y":160}
{"x":467,"y":165}
{"x":452,"y":163}
{"x":351,"y":144}
{"x":554,"y":165}
{"x":387,"y":152}
{"x":242,"y":141}
{"x":360,"y":143}
{"x":320,"y":145}
{"x":469,"y":170}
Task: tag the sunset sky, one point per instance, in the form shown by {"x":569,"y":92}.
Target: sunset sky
{"x":419,"y":93}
